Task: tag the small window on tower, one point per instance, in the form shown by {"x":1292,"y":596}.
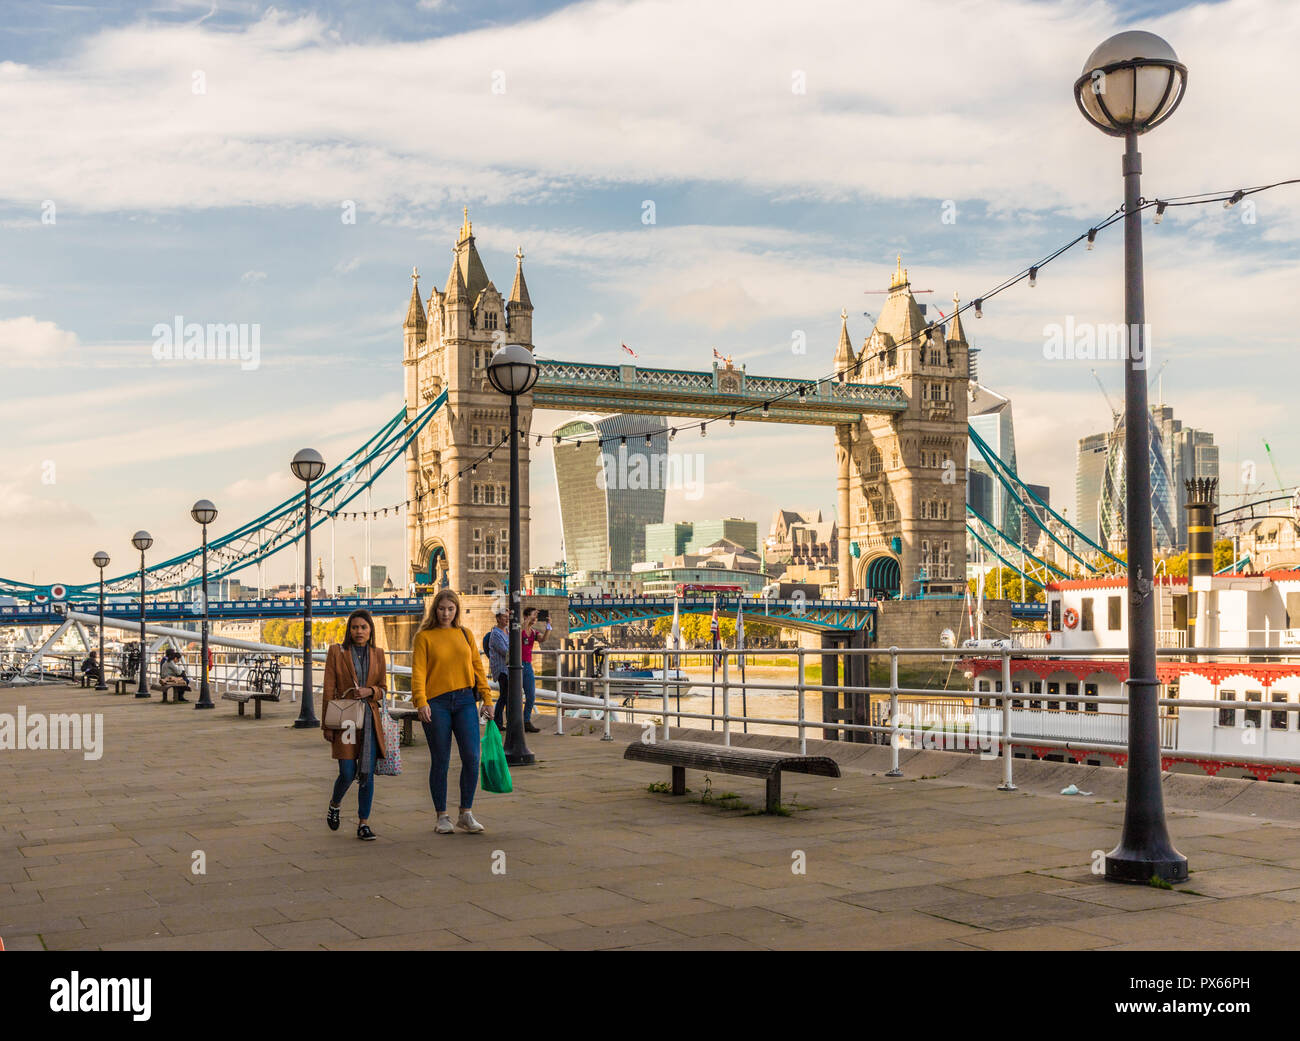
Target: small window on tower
{"x":473,"y":435}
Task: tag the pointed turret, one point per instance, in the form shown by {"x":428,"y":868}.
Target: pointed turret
{"x":900,"y":316}
{"x":471,"y":264}
{"x":844,"y":352}
{"x":456,"y":291}
{"x":519,"y":291}
{"x":415,"y":319}
{"x":956,"y":334}
{"x":519,"y":310}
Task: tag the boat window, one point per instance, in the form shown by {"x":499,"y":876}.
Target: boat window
{"x":1253,"y":715}
{"x":1072,"y":690}
{"x":1017,"y":688}
{"x":1227,"y":716}
{"x":1053,"y":689}
{"x":1112,"y":613}
{"x":1279,"y":720}
{"x":1056,"y":615}
{"x":1085,"y":614}
{"x":1090,"y":691}
{"x":1035,"y":687}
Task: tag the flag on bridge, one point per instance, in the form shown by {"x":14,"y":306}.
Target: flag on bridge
{"x":630,"y":351}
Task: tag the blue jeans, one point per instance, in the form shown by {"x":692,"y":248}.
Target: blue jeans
{"x":454,"y":712}
{"x":530,"y":696}
{"x":348,"y":774}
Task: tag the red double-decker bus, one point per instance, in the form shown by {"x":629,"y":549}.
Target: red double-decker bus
{"x":704,"y":589}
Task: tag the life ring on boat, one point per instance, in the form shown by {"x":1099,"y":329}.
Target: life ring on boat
{"x":1071,"y":617}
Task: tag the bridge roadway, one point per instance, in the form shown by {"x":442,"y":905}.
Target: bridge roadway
{"x":585,"y":613}
{"x":167,"y":610}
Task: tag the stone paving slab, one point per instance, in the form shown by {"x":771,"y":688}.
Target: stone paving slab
{"x":101,"y":853}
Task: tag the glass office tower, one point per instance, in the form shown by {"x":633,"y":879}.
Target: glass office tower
{"x":610,"y":484}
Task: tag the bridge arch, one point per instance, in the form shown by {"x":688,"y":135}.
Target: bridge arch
{"x":880,"y":573}
{"x":431,"y":567}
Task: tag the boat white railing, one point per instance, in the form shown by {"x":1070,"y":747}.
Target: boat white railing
{"x":906,"y":717}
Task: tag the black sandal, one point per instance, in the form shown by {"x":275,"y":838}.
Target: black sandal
{"x":364,"y":833}
{"x":332,"y":819}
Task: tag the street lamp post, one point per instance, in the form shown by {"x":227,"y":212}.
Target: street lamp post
{"x":1131,"y":83}
{"x":513,"y":371}
{"x":142,"y":540}
{"x":204,"y":513}
{"x":101,"y":562}
{"x":307,"y":465}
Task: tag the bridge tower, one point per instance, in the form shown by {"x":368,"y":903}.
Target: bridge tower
{"x":902,"y":477}
{"x":458,"y":529}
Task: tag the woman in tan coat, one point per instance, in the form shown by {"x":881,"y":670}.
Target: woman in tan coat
{"x":356,"y":669}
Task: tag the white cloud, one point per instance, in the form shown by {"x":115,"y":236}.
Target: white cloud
{"x":28,"y":340}
{"x":638,"y":93}
{"x":346,"y":267}
{"x":253,"y":277}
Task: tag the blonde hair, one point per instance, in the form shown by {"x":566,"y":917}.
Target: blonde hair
{"x":431,"y":618}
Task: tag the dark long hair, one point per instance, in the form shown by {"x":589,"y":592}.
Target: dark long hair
{"x":347,"y":627}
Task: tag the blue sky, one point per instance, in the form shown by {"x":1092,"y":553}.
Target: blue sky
{"x":774,"y":209}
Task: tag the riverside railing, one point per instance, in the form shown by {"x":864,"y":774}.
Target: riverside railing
{"x":993,"y":729}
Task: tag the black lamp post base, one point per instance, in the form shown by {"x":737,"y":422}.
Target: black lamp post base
{"x":142,"y":694}
{"x":305,"y":724}
{"x":101,"y":685}
{"x":200,"y":704}
{"x":520,"y":759}
{"x":1138,"y":867}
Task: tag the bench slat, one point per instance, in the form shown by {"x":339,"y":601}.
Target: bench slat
{"x":748,"y":762}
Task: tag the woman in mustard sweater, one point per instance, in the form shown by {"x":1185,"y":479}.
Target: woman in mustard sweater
{"x":447,"y":681}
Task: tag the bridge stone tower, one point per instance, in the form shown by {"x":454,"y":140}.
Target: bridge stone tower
{"x":457,"y":529}
{"x":902,"y":476}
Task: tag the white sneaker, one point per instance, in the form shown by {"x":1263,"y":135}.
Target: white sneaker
{"x":468,"y":823}
{"x":444,"y":825}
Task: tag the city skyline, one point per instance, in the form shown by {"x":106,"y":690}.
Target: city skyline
{"x":749,"y":245}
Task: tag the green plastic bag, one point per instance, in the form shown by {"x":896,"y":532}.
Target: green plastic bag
{"x":494,"y":774}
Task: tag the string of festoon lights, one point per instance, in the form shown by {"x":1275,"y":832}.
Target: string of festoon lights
{"x":383,"y":511}
{"x":1029,"y":274}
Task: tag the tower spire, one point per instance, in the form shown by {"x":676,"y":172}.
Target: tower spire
{"x":415,"y":310}
{"x":844,"y":352}
{"x":466,"y":228}
{"x":519,"y":291}
{"x":955,"y":332}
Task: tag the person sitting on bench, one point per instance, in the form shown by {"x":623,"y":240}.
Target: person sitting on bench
{"x":91,"y":667}
{"x":172,"y":675}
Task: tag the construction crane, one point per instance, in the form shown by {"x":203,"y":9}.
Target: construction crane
{"x":1160,"y":398}
{"x":1115,"y":414}
{"x":1273,"y":463}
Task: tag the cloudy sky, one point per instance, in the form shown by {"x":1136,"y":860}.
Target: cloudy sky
{"x":197,"y":160}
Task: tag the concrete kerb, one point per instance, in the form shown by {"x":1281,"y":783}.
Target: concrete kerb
{"x":1233,"y":796}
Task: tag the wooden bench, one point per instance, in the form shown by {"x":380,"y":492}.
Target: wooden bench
{"x":118,"y":683}
{"x":407,"y":714}
{"x":746,"y":762}
{"x":244,"y":696}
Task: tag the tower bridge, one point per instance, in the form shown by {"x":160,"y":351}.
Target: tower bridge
{"x":898,"y":415}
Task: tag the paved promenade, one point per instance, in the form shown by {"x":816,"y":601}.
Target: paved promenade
{"x":100,"y":854}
